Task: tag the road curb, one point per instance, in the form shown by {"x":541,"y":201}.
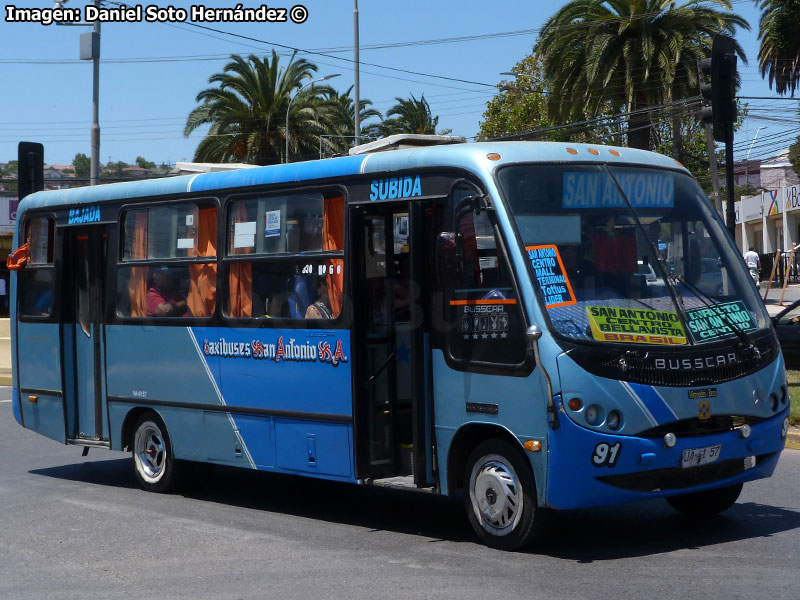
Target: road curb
{"x":5,"y":379}
{"x":793,"y":440}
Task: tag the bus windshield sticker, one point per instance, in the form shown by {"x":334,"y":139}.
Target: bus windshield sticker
{"x":635,"y":325}
{"x":551,"y":275}
{"x":712,"y":322}
{"x":273,"y":226}
{"x":644,"y":189}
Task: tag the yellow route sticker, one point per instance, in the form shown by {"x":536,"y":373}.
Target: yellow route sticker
{"x":636,"y":325}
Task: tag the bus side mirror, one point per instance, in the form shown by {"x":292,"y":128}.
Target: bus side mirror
{"x":449,"y":251}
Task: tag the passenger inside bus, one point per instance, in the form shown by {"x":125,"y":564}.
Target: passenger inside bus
{"x":164,"y":298}
{"x":321,"y":308}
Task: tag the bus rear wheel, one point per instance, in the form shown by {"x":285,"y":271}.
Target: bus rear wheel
{"x":153,"y":462}
{"x":706,"y":504}
{"x":501,"y":496}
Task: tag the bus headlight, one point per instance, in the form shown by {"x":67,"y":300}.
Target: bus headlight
{"x":773,"y":401}
{"x":784,"y":395}
{"x":613,"y":420}
{"x":592,"y":414}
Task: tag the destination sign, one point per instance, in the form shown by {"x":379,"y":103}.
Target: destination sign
{"x":712,"y":322}
{"x":644,"y":189}
{"x":635,"y":325}
{"x":551,"y":275}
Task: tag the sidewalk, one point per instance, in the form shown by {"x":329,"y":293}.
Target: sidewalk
{"x":5,"y":352}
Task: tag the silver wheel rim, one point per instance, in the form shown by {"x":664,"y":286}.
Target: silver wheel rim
{"x":150,"y":452}
{"x":496,"y":495}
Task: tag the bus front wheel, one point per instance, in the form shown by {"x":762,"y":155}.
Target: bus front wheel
{"x":501,"y":496}
{"x":706,"y":504}
{"x":153,"y":462}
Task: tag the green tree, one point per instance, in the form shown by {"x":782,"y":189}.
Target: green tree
{"x":142,"y":163}
{"x":631,"y":54}
{"x":342,"y":137}
{"x":779,"y":52}
{"x":520,"y":107}
{"x":520,"y":104}
{"x":411,"y":116}
{"x":113,"y":170}
{"x":246,"y":111}
{"x":82,"y":165}
{"x":12,"y":166}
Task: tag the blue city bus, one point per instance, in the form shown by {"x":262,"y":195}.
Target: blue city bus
{"x":529,"y":326}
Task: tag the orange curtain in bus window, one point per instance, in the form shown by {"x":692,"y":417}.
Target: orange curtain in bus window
{"x":203,"y":277}
{"x":333,"y":239}
{"x":137,"y":284}
{"x":240,"y":277}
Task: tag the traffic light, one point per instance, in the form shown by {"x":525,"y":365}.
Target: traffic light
{"x":30,"y":168}
{"x":720,"y":93}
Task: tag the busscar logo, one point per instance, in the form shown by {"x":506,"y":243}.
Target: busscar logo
{"x":688,"y":364}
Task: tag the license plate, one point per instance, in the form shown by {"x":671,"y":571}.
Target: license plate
{"x":694,"y":457}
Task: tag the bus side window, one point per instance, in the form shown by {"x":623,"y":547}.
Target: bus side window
{"x":485,"y":313}
{"x":285,"y":256}
{"x":185,"y":234}
{"x":36,"y":280}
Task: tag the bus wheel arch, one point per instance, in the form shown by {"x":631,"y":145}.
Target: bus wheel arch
{"x":154,"y":463}
{"x":464,"y":443}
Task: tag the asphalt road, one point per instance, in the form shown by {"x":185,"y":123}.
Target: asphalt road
{"x":79,"y":528}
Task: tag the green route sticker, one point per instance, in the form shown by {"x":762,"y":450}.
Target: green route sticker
{"x":715,"y":321}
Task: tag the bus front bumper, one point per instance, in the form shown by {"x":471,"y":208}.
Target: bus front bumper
{"x":590,"y":468}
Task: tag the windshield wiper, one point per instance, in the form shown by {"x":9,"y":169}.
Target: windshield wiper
{"x":677,"y":300}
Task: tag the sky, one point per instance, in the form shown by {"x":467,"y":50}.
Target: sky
{"x":151,"y":72}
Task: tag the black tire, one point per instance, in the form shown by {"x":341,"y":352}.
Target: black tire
{"x":500,"y":496}
{"x":706,"y":504}
{"x":154,"y":464}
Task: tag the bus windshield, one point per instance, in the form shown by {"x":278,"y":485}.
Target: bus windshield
{"x":630,"y":255}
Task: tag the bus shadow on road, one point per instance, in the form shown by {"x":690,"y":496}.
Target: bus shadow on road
{"x":587,"y":535}
{"x":374,"y":508}
{"x":651,"y":527}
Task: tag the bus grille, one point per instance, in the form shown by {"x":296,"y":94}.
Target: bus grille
{"x":678,"y":367}
{"x":677,"y":478}
{"x":696,"y":427}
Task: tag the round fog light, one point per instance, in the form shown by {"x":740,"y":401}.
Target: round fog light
{"x":592,"y":414}
{"x":613,"y":420}
{"x":785,"y":428}
{"x":669,"y":440}
{"x":744,"y":431}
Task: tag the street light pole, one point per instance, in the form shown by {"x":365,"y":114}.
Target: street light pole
{"x":289,"y":108}
{"x":747,"y":161}
{"x":356,"y":91}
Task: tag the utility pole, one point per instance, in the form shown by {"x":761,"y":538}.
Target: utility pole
{"x":94,"y":170}
{"x":356,"y":91}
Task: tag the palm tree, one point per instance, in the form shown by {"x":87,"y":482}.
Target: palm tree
{"x":779,"y":54}
{"x":247,"y":111}
{"x":412,"y":116}
{"x":629,"y":54}
{"x":343,"y":135}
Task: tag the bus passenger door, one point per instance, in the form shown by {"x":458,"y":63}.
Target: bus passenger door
{"x":83,"y":291}
{"x":392,"y":397}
